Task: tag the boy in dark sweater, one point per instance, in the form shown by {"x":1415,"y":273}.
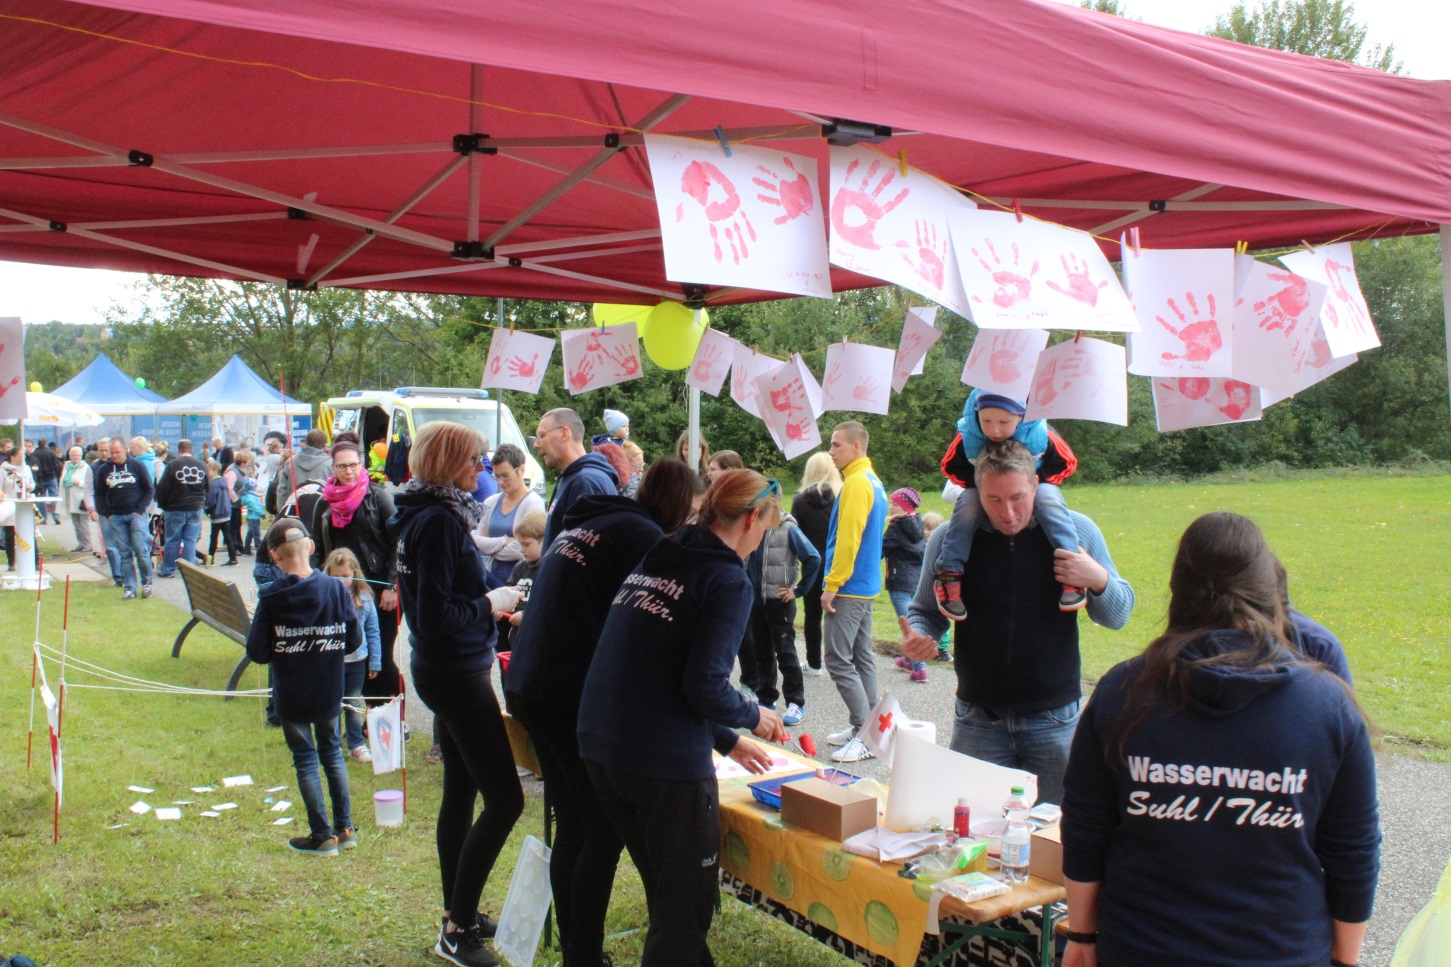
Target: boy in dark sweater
{"x":529,"y":532}
{"x":304,"y":625}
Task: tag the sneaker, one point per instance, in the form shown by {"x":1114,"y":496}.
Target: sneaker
{"x":435,"y":756}
{"x":943,"y":656}
{"x":814,"y":671}
{"x":919,"y":675}
{"x":119,"y":583}
{"x":854,"y":751}
{"x":348,"y":839}
{"x":842,"y":737}
{"x":794,"y":714}
{"x":314,"y":845}
{"x":361,"y":754}
{"x":947,"y":585}
{"x":232,"y":563}
{"x":488,"y":926}
{"x":146,"y":590}
{"x":904,"y":663}
{"x":1073,"y":598}
{"x":465,"y":948}
{"x":128,"y":595}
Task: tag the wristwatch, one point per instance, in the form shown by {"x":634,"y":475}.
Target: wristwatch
{"x":1084,"y":938}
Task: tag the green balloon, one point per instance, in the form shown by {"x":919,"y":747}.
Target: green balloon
{"x":140,"y":383}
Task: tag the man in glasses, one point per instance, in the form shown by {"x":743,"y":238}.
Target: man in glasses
{"x":559,"y":441}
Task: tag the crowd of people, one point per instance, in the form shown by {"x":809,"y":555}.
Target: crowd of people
{"x":625,"y":604}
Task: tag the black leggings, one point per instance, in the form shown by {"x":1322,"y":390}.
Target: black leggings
{"x":586,"y":848}
{"x":476,"y":760}
{"x":389,"y":681}
{"x":811,"y":614}
{"x":222,"y":529}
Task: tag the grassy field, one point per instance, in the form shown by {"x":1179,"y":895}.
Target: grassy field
{"x":213,"y":891}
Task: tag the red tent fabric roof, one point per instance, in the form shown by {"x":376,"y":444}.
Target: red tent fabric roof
{"x":1007,"y":98}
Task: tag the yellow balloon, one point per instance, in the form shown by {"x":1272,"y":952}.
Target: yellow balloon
{"x":609,"y":314}
{"x":36,"y":388}
{"x":674,"y":335}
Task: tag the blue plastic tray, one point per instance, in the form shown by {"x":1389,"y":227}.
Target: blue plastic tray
{"x":767,"y":792}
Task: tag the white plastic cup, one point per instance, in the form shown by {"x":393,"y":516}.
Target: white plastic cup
{"x":388,"y":807}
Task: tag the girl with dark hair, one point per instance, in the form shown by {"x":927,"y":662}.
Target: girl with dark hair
{"x":1219,"y":803}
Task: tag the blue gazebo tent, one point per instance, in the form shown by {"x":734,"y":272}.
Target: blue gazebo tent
{"x":106,"y":388}
{"x":237,"y":404}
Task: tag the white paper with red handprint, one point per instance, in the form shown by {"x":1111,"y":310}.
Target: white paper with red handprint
{"x":1036,"y":275}
{"x":1081,"y":379}
{"x":894,"y":228}
{"x":753,"y":220}
{"x":1189,"y":401}
{"x":1345,"y":316}
{"x":1317,"y":365}
{"x":918,"y":336}
{"x":928,"y":315}
{"x":1003,"y":361}
{"x":1184,"y":300}
{"x":746,"y":365}
{"x":712,"y":362}
{"x":857,"y":378}
{"x":598,"y":357}
{"x":785,"y":404}
{"x":12,"y":369}
{"x":517,"y":361}
{"x":1276,"y":322}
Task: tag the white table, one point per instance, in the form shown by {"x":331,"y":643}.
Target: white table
{"x":24,"y":577}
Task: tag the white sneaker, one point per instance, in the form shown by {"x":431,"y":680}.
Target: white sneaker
{"x":854,"y":751}
{"x":813,"y":672}
{"x":842,"y":737}
{"x":361,"y":754}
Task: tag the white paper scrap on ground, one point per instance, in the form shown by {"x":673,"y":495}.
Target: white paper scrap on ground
{"x":1032,"y":274}
{"x":928,"y":779}
{"x":183,"y":802}
{"x":225,"y":805}
{"x":230,"y":781}
{"x":168,"y":812}
{"x":210,"y":813}
{"x":203,"y":789}
{"x":753,"y":219}
{"x":282,"y":822}
{"x":746,"y":365}
{"x":1276,"y":323}
{"x":1184,"y":301}
{"x":140,"y":789}
{"x":785,"y":406}
{"x":281,"y":806}
{"x":600,"y":356}
{"x":526,"y":906}
{"x":921,"y":324}
{"x":1191,"y":401}
{"x":1003,"y":361}
{"x":712,"y":362}
{"x":857,"y":378}
{"x":894,"y":228}
{"x":517,"y":361}
{"x":118,"y":826}
{"x":1081,"y":379}
{"x":140,"y":808}
{"x":276,"y":788}
{"x":1345,"y":316}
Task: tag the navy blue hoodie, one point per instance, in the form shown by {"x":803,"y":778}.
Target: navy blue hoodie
{"x":303,"y":627}
{"x":603,"y":539}
{"x":590,"y":474}
{"x":658,"y":695}
{"x":1233,"y":830}
{"x":441,"y":581}
{"x":122,"y":488}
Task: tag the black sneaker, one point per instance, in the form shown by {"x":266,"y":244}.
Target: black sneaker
{"x":947,"y":585}
{"x":233,"y":563}
{"x":465,"y":948}
{"x":314,"y":845}
{"x":488,"y":926}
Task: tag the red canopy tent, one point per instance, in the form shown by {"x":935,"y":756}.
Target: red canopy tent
{"x":298,"y":140}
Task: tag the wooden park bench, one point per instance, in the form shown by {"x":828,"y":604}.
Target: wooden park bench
{"x":218,"y":605}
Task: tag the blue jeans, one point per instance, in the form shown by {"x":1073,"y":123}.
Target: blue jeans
{"x":901,"y":601}
{"x":1049,"y":511}
{"x":132,"y":540}
{"x":1036,"y":742}
{"x":183,"y":530}
{"x":354,"y":674}
{"x":50,"y":488}
{"x":113,"y":556}
{"x":305,"y":758}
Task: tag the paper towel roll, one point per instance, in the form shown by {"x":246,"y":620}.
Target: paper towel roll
{"x":926,"y":731}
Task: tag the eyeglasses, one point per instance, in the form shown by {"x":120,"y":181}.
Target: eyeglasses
{"x":346,"y":466}
{"x":501,"y":477}
{"x":772,"y":487}
{"x":539,"y":438}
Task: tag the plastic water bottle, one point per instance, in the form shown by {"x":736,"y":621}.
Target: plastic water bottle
{"x":1017,"y":838}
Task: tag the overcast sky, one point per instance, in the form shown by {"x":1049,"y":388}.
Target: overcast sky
{"x":1418,"y":28}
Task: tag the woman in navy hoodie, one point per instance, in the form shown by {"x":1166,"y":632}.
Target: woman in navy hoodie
{"x":604,"y":537}
{"x":1219,"y":804}
{"x":658,"y":698}
{"x":451,"y":630}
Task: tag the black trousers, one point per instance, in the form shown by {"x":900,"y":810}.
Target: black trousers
{"x":773,"y":639}
{"x":222,"y":529}
{"x":811,"y":620}
{"x":389,"y":681}
{"x":672,"y":830}
{"x":586,"y":848}
{"x":234,"y":527}
{"x":476,"y":760}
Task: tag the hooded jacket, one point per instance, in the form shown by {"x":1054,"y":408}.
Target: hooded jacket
{"x":590,"y":474}
{"x":122,"y":488}
{"x":854,"y":542}
{"x":309,"y":463}
{"x":1251,"y":805}
{"x":658,"y":695}
{"x":902,"y":547}
{"x":604,"y":537}
{"x":303,"y":628}
{"x":183,"y":485}
{"x":812,"y":510}
{"x":441,"y":582}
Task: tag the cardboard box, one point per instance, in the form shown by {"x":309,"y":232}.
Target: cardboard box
{"x":836,"y":812}
{"x":1046,"y":859}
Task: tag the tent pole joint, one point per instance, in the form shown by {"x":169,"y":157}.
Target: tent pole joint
{"x":297,"y":214}
{"x":139,"y":159}
{"x":58,"y":226}
{"x":467,"y":144}
{"x":694,"y":296}
{"x":1158,"y":205}
{"x":301,"y":285}
{"x":474,"y":251}
{"x":515,"y":263}
{"x":844,"y":133}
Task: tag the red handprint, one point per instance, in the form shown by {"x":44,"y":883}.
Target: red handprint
{"x":1061,"y":374}
{"x":1012,"y":287}
{"x":593,"y":344}
{"x":580,"y":379}
{"x":931,"y":254}
{"x":1283,"y":309}
{"x":792,"y":195}
{"x":708,"y":186}
{"x":517,"y":366}
{"x":1003,"y":365}
{"x":848,"y":200}
{"x":627,"y":362}
{"x":866,"y":392}
{"x":832,"y":375}
{"x":1079,"y":286}
{"x":781,"y":398}
{"x":1236,"y":399}
{"x":495,"y":365}
{"x":14,"y":381}
{"x":1189,"y":387}
{"x":1201,"y":337}
{"x":1358,"y":317}
{"x":705,"y":364}
{"x":1319,"y":356}
{"x":797,"y":430}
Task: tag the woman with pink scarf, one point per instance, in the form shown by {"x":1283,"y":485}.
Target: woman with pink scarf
{"x":353,"y":513}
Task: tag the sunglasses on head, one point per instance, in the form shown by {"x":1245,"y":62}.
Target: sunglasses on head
{"x":772,"y":487}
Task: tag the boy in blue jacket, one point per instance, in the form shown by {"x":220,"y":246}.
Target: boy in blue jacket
{"x":305,"y":624}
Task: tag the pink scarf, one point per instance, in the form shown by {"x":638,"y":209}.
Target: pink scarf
{"x":345,"y":501}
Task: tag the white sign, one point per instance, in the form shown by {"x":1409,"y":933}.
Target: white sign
{"x":517,"y":361}
{"x":12,"y":369}
{"x":785,"y":406}
{"x":746,"y":365}
{"x":1318,"y":365}
{"x":918,"y":336}
{"x":598,"y":357}
{"x":1275,"y":324}
{"x":1081,"y":379}
{"x":1345,"y":316}
{"x":857,"y":378}
{"x":52,"y":718}
{"x":1190,"y":401}
{"x":1184,"y":300}
{"x":1003,"y":361}
{"x":712,"y":362}
{"x":753,"y":219}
